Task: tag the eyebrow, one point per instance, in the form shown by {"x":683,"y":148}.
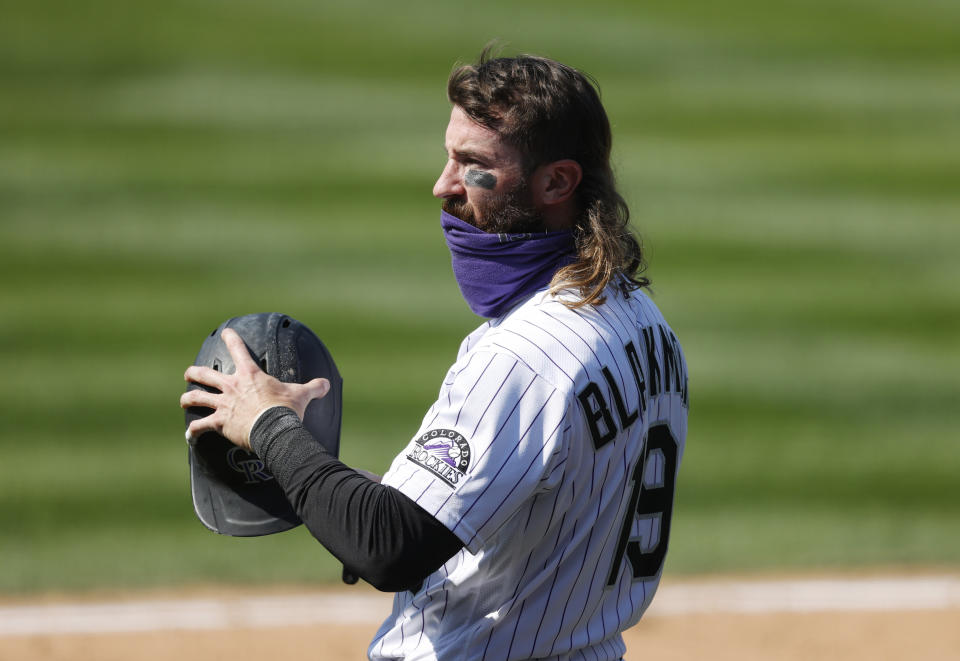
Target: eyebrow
{"x":469,"y":154}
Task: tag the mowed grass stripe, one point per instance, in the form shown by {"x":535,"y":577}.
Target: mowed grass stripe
{"x":163,"y":170}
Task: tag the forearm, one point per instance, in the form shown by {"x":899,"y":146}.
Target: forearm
{"x":377,"y":532}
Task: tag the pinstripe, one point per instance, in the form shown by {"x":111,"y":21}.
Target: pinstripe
{"x":423,"y":624}
{"x":540,"y":349}
{"x":546,"y":331}
{"x":493,"y":398}
{"x":446,"y":598}
{"x":519,"y":618}
{"x":507,"y":418}
{"x":513,"y":638}
{"x":575,"y":333}
{"x":626,"y":486}
{"x":504,"y":464}
{"x":404,"y":483}
{"x":613,"y":356}
{"x":487,"y":646}
{"x":604,"y":648}
{"x":467,"y":341}
{"x":437,"y":412}
{"x":623,"y":382}
{"x":553,"y":584}
{"x":422,"y":492}
{"x":530,"y":511}
{"x":593,"y":477}
{"x":467,"y":396}
{"x":610,"y":647}
{"x":613,"y":327}
{"x":566,"y":601}
{"x":559,"y":465}
{"x":617,"y":312}
{"x":502,"y":348}
{"x":593,"y":579}
{"x":586,"y":601}
{"x":453,"y":376}
{"x":599,"y":333}
{"x":504,"y":424}
{"x":516,"y":591}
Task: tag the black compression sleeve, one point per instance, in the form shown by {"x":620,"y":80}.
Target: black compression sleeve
{"x":377,"y":532}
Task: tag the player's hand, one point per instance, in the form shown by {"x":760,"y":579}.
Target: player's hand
{"x":243,"y":395}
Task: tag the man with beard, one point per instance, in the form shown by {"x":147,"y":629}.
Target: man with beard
{"x":529,"y":515}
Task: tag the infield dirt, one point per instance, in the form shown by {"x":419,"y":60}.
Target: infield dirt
{"x":929,"y":634}
{"x":826,"y":637}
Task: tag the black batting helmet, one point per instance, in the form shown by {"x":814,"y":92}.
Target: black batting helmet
{"x":233,"y":493}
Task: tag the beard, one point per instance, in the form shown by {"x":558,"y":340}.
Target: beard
{"x":510,"y":212}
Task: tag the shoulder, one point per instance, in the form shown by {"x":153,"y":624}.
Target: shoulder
{"x":471,"y":340}
{"x":561,"y":344}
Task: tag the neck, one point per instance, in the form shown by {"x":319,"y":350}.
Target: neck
{"x":558,"y":217}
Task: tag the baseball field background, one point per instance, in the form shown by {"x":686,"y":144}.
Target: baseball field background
{"x":794,"y":168}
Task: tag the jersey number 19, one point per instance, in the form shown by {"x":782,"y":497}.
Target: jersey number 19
{"x":648,"y":502}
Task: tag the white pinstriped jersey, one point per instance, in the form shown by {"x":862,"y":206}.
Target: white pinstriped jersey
{"x":552,"y":453}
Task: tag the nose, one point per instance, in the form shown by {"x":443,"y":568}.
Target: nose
{"x":449,"y":184}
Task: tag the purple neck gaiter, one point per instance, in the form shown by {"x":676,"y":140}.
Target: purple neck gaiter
{"x":495,"y":271}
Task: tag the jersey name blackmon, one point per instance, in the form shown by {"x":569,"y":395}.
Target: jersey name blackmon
{"x":443,"y":452}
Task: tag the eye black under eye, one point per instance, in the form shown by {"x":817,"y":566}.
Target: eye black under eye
{"x":480,"y":179}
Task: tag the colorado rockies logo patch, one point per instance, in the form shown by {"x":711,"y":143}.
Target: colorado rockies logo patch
{"x":443,"y":452}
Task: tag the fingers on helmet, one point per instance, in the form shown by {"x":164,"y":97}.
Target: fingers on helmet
{"x":238,"y":350}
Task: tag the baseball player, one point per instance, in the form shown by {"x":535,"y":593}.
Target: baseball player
{"x":529,"y":515}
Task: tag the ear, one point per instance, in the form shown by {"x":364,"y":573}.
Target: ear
{"x":556,"y":182}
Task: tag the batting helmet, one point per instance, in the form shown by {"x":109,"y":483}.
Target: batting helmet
{"x":233,"y":493}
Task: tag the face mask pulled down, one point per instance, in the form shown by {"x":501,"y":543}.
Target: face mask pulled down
{"x":496,"y":271}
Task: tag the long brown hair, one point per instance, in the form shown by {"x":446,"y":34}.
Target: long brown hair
{"x":551,"y":111}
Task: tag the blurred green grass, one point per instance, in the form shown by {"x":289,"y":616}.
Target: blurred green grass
{"x":793,"y":166}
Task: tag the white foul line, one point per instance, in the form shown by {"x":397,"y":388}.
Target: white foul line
{"x":808,"y":596}
{"x":367,"y":607}
{"x":195,"y":614}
